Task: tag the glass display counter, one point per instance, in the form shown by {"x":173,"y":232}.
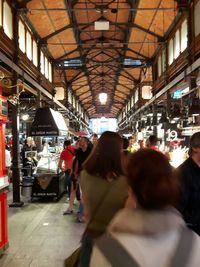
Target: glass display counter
{"x":48,"y":182}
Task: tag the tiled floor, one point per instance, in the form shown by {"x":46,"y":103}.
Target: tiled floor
{"x":40,"y":236}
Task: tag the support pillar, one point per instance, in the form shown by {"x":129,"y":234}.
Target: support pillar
{"x":16,"y":162}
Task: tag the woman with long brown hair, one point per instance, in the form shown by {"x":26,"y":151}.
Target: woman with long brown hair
{"x":104,"y":188}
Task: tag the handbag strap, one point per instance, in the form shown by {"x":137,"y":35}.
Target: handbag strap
{"x":115,"y":253}
{"x":118,"y":256}
{"x":183,"y":249}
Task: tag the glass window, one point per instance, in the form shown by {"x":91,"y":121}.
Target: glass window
{"x":159,"y":66}
{"x":133,"y":100}
{"x":184,"y":36}
{"x":50,"y":72}
{"x":170,"y":52}
{"x":46,"y":68}
{"x":196,"y":18}
{"x":22,"y":43}
{"x":7,"y":20}
{"x":1,"y":11}
{"x":35,"y":53}
{"x":69,"y":97}
{"x":42,"y":62}
{"x":164,"y":60}
{"x":146,"y":92}
{"x":28,"y":45}
{"x":136,"y":96}
{"x":177,"y":44}
{"x":74,"y":102}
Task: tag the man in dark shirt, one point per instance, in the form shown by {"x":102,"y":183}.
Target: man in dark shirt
{"x":81,"y":155}
{"x":189,"y":172}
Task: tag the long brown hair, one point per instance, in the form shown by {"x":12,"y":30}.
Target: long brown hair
{"x":105,"y":159}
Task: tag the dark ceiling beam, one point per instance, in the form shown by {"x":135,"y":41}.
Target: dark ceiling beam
{"x":119,"y":97}
{"x":45,"y":39}
{"x":65,"y":55}
{"x":137,"y":53}
{"x":121,"y":92}
{"x":131,"y":17}
{"x":83,"y":94}
{"x":94,"y":9}
{"x":79,"y":87}
{"x":132,"y":77}
{"x":160,"y":38}
{"x":86,"y":97}
{"x":22,"y":5}
{"x":125,"y":86}
{"x":75,"y":77}
{"x":68,"y":4}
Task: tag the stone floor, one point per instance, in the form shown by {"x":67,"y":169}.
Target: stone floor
{"x":39,"y":235}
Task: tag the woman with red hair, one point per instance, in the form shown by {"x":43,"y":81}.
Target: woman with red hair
{"x":154,"y":234}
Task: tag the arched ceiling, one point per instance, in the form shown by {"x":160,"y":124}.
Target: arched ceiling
{"x":67,"y":30}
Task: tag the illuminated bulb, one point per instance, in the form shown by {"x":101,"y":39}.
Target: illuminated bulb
{"x":103,"y":98}
{"x":25,"y":117}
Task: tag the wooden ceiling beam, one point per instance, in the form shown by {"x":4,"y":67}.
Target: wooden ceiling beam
{"x":137,"y":53}
{"x":22,"y":4}
{"x":160,"y":38}
{"x":45,"y":39}
{"x":65,"y":55}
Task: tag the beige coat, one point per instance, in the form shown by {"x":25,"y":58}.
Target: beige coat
{"x":150,"y":237}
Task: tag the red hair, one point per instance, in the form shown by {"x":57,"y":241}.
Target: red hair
{"x":151,"y":178}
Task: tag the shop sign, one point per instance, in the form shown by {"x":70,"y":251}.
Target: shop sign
{"x":172,"y":135}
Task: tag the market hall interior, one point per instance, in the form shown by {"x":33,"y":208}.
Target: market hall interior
{"x":67,"y":68}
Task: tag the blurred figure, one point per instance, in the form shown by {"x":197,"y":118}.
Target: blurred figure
{"x":126,"y":153}
{"x":81,"y":155}
{"x":154,"y":234}
{"x":152,"y":142}
{"x":142,"y":144}
{"x":8,"y":161}
{"x":94,"y":139}
{"x":189,"y":173}
{"x":65,"y":164}
{"x":133,"y":146}
{"x":76,"y":143}
{"x":125,"y":145}
{"x":104,"y":188}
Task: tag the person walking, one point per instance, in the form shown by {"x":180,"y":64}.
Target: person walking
{"x":104,"y":188}
{"x":65,"y":164}
{"x":81,"y":155}
{"x":154,"y":234}
{"x":189,"y":174}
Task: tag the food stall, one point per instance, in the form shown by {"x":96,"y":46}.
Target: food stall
{"x":48,"y":181}
{"x":3,"y":176}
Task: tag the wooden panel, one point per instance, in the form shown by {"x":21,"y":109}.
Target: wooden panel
{"x":51,"y":20}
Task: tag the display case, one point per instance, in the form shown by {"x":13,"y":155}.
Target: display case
{"x":48,"y":182}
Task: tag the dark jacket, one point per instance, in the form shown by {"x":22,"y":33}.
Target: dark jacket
{"x":190,"y":198}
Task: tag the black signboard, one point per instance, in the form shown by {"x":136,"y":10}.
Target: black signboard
{"x":46,"y":124}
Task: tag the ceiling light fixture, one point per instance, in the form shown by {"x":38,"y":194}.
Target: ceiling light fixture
{"x":103,"y":98}
{"x":25,"y":117}
{"x":101,"y":25}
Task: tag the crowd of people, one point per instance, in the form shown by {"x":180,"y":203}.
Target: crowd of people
{"x":138,"y":209}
